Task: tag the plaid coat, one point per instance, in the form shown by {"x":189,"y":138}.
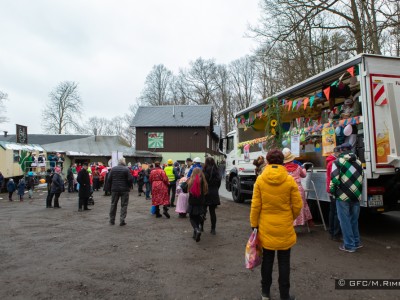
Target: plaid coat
{"x":346,"y":178}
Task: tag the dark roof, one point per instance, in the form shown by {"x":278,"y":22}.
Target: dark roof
{"x":173,"y":116}
{"x":96,"y":146}
{"x":44,"y":138}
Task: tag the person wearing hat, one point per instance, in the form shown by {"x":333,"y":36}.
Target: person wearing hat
{"x":196,"y":164}
{"x":21,"y":189}
{"x":297,"y":172}
{"x":172,"y":174}
{"x":57,"y":187}
{"x":84,"y":187}
{"x":346,"y":187}
{"x":30,"y":184}
{"x":334,"y":226}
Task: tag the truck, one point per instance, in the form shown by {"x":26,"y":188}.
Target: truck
{"x":356,"y":101}
{"x":17,"y":160}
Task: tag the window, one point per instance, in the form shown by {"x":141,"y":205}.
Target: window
{"x":16,"y":156}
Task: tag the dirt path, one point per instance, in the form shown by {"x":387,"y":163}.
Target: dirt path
{"x":66,"y":254}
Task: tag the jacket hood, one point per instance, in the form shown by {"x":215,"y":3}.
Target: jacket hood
{"x":274,"y":174}
{"x":330,"y":158}
{"x":349,"y":157}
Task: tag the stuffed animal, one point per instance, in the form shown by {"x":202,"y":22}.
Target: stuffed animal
{"x":347,"y":109}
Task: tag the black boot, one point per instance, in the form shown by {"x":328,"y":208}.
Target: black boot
{"x":198,"y":234}
{"x":158,"y":215}
{"x":165,"y":213}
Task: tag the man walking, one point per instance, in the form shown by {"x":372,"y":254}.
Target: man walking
{"x":346,"y":187}
{"x":119,"y":182}
{"x":84,"y":187}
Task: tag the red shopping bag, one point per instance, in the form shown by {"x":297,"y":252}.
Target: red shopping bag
{"x":253,"y":254}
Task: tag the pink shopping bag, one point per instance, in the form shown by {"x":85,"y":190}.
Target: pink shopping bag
{"x":253,"y":254}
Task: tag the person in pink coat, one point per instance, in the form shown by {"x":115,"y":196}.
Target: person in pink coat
{"x":159,"y":190}
{"x":297,"y":172}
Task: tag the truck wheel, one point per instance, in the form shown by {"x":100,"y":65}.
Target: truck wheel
{"x":236,"y":195}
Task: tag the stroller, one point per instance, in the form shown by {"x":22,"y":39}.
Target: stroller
{"x":91,"y":200}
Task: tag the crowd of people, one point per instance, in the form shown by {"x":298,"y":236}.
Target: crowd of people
{"x":278,"y":204}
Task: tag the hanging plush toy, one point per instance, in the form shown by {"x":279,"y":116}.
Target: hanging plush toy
{"x":347,"y":109}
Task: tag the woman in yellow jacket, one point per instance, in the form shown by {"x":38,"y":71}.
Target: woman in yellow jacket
{"x":276,"y":203}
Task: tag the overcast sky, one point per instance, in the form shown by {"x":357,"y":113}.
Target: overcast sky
{"x":109,"y":47}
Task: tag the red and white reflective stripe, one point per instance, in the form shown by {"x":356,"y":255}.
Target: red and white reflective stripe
{"x":379,"y":94}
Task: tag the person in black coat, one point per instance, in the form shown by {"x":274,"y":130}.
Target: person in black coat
{"x":120,"y":181}
{"x":84,"y":187}
{"x":213,"y":178}
{"x":56,"y":188}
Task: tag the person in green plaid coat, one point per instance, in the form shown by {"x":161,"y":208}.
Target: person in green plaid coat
{"x":346,"y":187}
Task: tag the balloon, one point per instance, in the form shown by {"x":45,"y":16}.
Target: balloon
{"x":338,"y":131}
{"x":348,"y":130}
{"x":302,"y":137}
{"x":285,"y":143}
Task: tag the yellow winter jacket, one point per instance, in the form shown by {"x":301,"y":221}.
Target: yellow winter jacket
{"x":276,"y":203}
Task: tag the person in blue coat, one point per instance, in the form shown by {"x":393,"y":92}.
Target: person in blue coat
{"x":21,"y":189}
{"x":196,"y":164}
{"x":10,"y":188}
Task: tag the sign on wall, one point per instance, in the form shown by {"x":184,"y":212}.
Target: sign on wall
{"x":155,"y":140}
{"x":22,"y":134}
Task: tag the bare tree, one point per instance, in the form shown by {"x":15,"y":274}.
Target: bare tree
{"x":242,"y":73}
{"x":178,"y":91}
{"x":157,"y":86}
{"x":129,"y":133}
{"x":198,"y":81}
{"x":364,"y":21}
{"x":63,"y":110}
{"x":223,"y":110}
{"x":3,"y":97}
{"x":95,"y":125}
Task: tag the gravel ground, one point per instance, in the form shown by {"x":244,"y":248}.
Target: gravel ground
{"x":66,"y":254}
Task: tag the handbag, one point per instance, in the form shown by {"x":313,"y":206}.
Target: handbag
{"x":153,"y":210}
{"x":253,"y":253}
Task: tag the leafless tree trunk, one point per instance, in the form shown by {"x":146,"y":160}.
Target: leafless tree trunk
{"x":223,"y":94}
{"x":64,"y":109}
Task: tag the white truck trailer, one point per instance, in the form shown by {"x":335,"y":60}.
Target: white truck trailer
{"x":357,"y":101}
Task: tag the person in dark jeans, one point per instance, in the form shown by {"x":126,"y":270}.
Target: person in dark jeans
{"x":213,"y":178}
{"x":120,"y":181}
{"x":70,"y":178}
{"x":334,"y":225}
{"x":57,"y":187}
{"x":275,"y":205}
